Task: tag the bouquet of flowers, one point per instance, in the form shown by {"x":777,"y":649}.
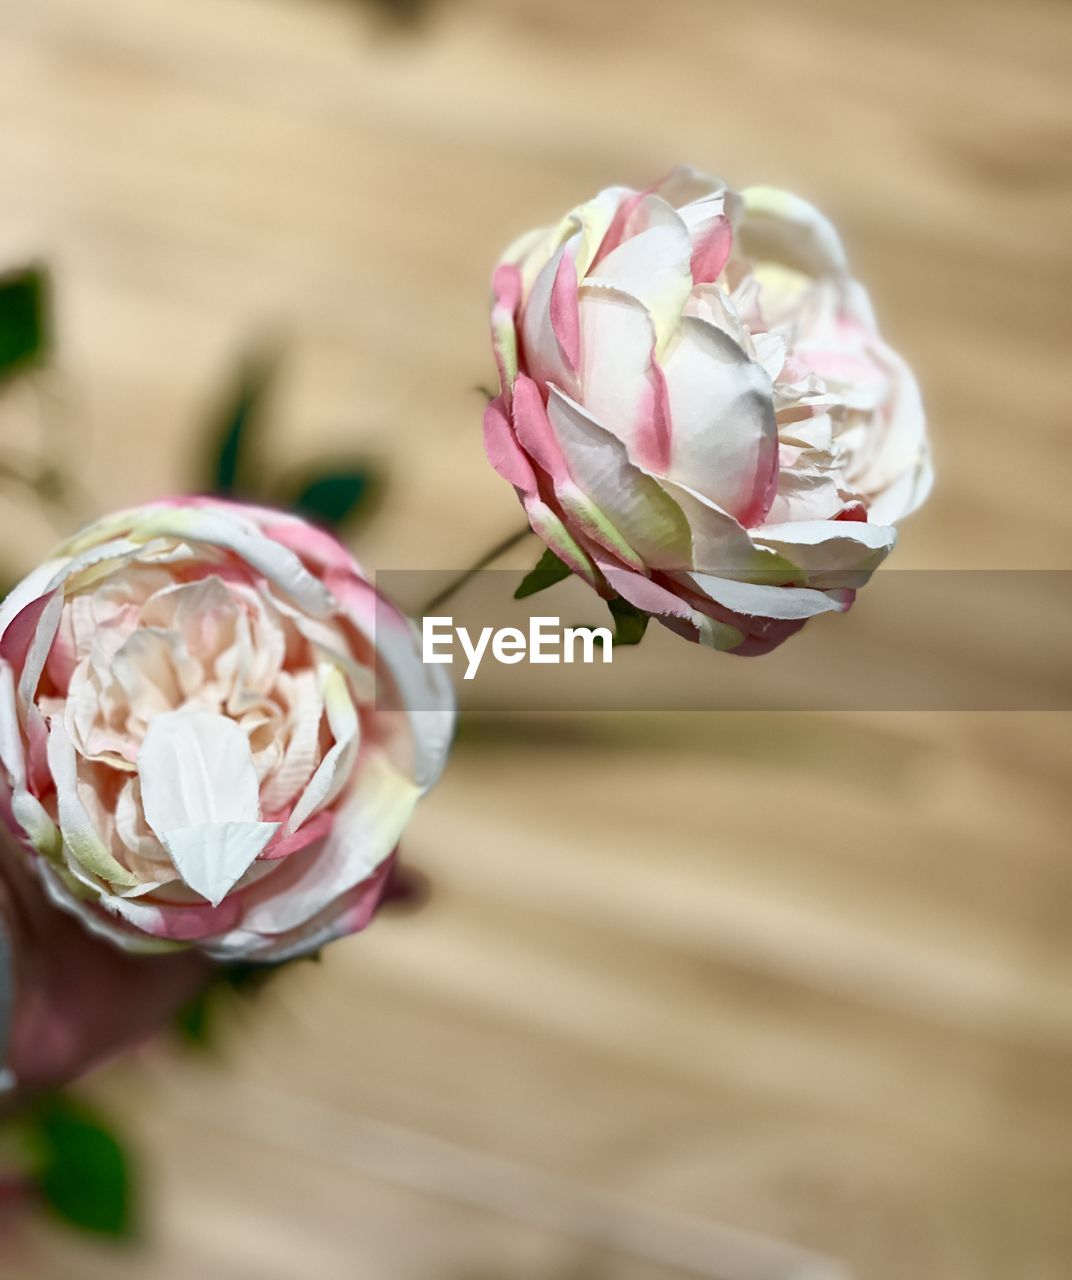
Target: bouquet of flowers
{"x":213,"y":727}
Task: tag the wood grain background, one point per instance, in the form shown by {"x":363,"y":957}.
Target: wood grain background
{"x":805,"y":977}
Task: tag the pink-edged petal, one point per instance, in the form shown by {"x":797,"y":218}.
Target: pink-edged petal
{"x":711,"y":233}
{"x":659,"y":450}
{"x":512,"y":463}
{"x":639,"y":510}
{"x":368,"y":823}
{"x":22,"y":628}
{"x":585,"y":226}
{"x":223,"y":527}
{"x":565,"y":320}
{"x":26,"y":644}
{"x":652,"y":266}
{"x":620,"y":227}
{"x":23,"y":808}
{"x":623,"y":388}
{"x":672,"y":609}
{"x":167,"y":922}
{"x":317,"y":549}
{"x":503,"y":450}
{"x":506,"y":300}
{"x":355,"y":909}
{"x":534,"y":431}
{"x":349,"y":913}
{"x":45,"y":625}
{"x":542,"y":354}
{"x":99,"y":917}
{"x":62,"y":656}
{"x":408,"y":691}
{"x":679,"y":604}
{"x":711,"y":249}
{"x":82,"y":841}
{"x":35,"y":586}
{"x":724,"y":437}
{"x":595,"y":221}
{"x":536,"y":435}
{"x":12,"y":750}
{"x":282,"y":844}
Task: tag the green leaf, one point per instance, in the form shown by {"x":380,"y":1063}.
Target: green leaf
{"x":194,"y":1021}
{"x":24,"y":319}
{"x":231,"y":435}
{"x":82,"y":1172}
{"x":335,"y":496}
{"x":197,"y":1022}
{"x":547,"y":572}
{"x":249,"y":978}
{"x":630,"y":623}
{"x":598,"y":632}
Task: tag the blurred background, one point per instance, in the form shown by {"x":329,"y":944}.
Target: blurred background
{"x":754,"y":995}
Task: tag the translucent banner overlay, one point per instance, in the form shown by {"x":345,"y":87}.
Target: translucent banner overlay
{"x":915,"y":640}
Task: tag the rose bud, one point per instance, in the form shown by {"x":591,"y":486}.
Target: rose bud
{"x":213,"y":730}
{"x":697,"y":411}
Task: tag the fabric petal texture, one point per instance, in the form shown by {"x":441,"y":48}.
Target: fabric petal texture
{"x":213,"y":730}
{"x":697,"y":410}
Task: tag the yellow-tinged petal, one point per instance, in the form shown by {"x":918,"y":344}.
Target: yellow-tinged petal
{"x":81,"y":839}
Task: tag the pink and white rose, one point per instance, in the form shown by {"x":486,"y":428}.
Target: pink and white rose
{"x":213,"y":730}
{"x":697,"y":411}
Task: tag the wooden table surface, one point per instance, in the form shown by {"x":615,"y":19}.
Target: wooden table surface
{"x":688,"y":985}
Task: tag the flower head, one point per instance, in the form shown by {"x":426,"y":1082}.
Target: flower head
{"x":209,"y":729}
{"x":697,"y":411}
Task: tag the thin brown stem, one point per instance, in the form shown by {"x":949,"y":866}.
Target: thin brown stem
{"x":458,"y":582}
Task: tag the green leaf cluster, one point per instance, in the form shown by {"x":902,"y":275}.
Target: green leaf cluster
{"x":331,"y":493}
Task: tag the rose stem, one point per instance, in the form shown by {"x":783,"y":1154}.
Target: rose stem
{"x":457,"y":583}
